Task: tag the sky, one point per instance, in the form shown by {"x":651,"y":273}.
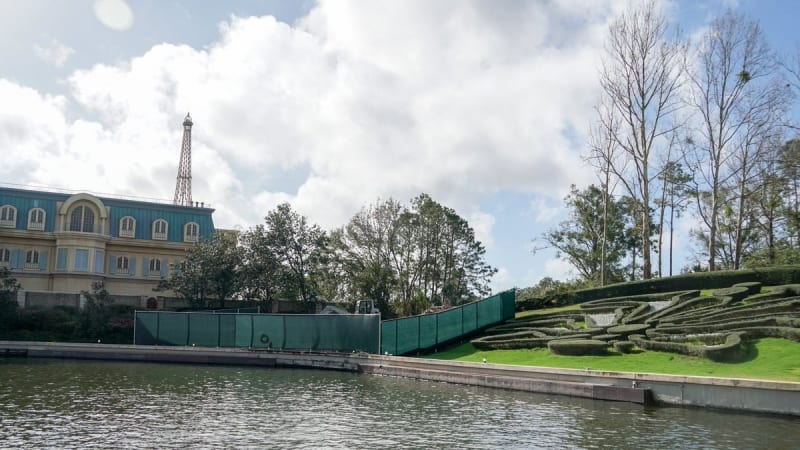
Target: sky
{"x":328,"y":105}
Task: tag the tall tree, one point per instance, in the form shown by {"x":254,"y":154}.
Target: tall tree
{"x":453,"y":269}
{"x":411,"y":256}
{"x":640,"y":78}
{"x":362,"y":250}
{"x":261,"y":276}
{"x":299,"y":247}
{"x":604,"y":156}
{"x":578,"y":238}
{"x":209,"y":272}
{"x":731,"y":89}
{"x":674,"y":189}
{"x":789,"y":170}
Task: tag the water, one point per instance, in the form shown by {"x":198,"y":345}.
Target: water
{"x":80,"y":404}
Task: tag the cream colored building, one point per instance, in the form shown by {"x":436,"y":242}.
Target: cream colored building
{"x":58,"y":244}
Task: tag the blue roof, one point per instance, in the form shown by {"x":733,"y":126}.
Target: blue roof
{"x":144,"y":212}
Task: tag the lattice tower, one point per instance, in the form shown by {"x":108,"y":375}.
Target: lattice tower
{"x":183,"y":185}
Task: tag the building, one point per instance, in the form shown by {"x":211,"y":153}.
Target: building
{"x":57,"y":244}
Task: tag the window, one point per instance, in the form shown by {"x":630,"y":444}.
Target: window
{"x":127,"y":227}
{"x":82,"y":219}
{"x":160,"y":230}
{"x":32,"y":259}
{"x":36,"y":219}
{"x":81,"y":260}
{"x":122,"y":263}
{"x":155,"y":266}
{"x":5,"y":255}
{"x":8,"y":216}
{"x":190,"y":232}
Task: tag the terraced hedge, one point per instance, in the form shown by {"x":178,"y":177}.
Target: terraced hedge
{"x":577,"y":347}
{"x":717,"y":327}
{"x":772,"y":276}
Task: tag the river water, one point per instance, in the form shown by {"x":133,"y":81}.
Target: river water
{"x":83,"y":404}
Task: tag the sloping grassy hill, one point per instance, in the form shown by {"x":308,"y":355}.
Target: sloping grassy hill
{"x":768,"y":359}
{"x":744,"y":331}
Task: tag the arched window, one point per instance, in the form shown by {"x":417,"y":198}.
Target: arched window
{"x":8,"y":216}
{"x":82,"y":219}
{"x":36,"y":219}
{"x":191,"y":232}
{"x":127,"y":227}
{"x":155,"y":266}
{"x":32,"y":257}
{"x":5,"y":255}
{"x":160,"y":230}
{"x":122,"y":263}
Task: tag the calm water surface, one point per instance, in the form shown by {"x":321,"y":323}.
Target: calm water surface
{"x":83,"y":404}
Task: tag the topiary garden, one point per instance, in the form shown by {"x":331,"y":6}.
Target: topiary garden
{"x":718,"y":327}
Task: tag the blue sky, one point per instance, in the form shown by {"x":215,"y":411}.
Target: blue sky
{"x":330,"y":105}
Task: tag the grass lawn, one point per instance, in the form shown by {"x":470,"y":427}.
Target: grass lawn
{"x":769,"y":359}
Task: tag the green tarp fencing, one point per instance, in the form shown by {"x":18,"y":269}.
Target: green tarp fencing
{"x":413,"y":334}
{"x":338,"y":333}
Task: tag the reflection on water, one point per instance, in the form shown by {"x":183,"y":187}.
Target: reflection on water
{"x":58,"y":403}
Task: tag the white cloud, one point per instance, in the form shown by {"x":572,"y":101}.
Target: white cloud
{"x":360,"y":100}
{"x":502,"y":280}
{"x":558,"y":269}
{"x":55,"y":54}
{"x":115,"y":14}
{"x":546,"y":210}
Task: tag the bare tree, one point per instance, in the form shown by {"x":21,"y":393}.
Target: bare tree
{"x":640,"y":78}
{"x":604,"y":156}
{"x":731,"y":90}
{"x":760,"y":135}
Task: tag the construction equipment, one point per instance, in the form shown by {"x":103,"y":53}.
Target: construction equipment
{"x":366,"y":307}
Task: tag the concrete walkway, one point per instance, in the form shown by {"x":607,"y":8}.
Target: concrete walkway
{"x":736,"y":394}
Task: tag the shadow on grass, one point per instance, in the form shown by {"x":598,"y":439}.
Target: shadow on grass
{"x":749,"y":353}
{"x":454,"y":352}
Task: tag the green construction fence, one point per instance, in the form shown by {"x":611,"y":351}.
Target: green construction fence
{"x":315,"y":332}
{"x":334,"y":333}
{"x":420,"y":333}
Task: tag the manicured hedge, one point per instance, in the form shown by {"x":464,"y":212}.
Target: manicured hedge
{"x":483,"y":343}
{"x":736,"y":293}
{"x":715,"y":327}
{"x":732,"y":350}
{"x":578,"y":347}
{"x":625,"y":330}
{"x":753,"y":287}
{"x":771,"y":276}
{"x":624,"y":346}
{"x":606,"y":337}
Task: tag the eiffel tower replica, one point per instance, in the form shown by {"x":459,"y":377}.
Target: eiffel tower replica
{"x":183,"y":185}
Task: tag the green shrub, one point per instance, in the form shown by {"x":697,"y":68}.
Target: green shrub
{"x":626,"y":330}
{"x":736,"y":294}
{"x":753,"y":287}
{"x":578,"y":347}
{"x":483,"y":343}
{"x":624,"y":346}
{"x":606,"y":337}
{"x":771,"y":276}
{"x":731,"y":350}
